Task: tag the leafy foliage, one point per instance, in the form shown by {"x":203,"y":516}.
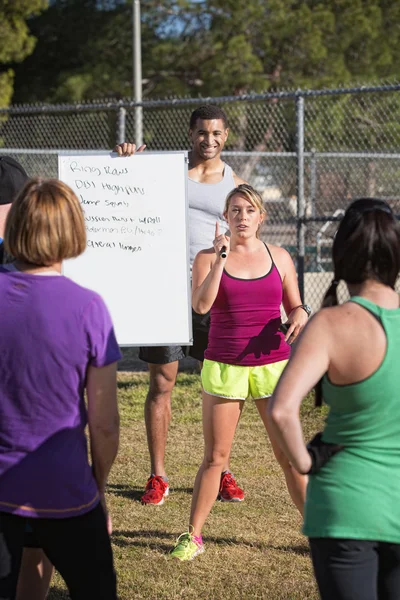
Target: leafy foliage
{"x":214,"y":48}
{"x":207,"y":48}
{"x":16,"y":41}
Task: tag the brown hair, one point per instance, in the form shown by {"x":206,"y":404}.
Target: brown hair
{"x":366,"y":246}
{"x":45,"y":224}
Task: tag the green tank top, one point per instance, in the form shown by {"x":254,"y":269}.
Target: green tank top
{"x":356,"y":495}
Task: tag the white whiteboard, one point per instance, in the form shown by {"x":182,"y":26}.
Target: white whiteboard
{"x":137,"y":255}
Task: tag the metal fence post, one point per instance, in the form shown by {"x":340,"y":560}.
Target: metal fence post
{"x":313,"y":182}
{"x":301,"y":227}
{"x":137,"y":70}
{"x":121,"y":122}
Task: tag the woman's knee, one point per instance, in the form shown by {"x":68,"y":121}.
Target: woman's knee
{"x":216,"y":458}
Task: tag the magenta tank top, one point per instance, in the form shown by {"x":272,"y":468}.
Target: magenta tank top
{"x":245,"y":319}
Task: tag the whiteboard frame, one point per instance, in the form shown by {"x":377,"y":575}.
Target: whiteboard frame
{"x":113,"y":154}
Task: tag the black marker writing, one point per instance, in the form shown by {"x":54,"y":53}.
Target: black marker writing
{"x":103,"y":229}
{"x":115,"y":204}
{"x":93,"y":244}
{"x":74,"y":166}
{"x":150,"y":220}
{"x":87,"y":202}
{"x":96,"y":219}
{"x":87,"y":185}
{"x":110,"y":171}
{"x":125,"y":189}
{"x":130,"y":248}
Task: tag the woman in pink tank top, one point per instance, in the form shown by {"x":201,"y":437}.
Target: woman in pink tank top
{"x":243,"y":282}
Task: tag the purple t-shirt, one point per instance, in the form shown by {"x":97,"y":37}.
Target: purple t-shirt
{"x":51,"y":330}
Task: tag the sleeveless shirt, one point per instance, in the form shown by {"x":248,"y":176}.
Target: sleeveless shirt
{"x":206,"y":206}
{"x":356,"y":495}
{"x":245,"y":319}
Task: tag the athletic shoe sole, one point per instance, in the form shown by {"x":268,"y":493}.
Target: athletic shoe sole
{"x":230,"y":499}
{"x":166,"y":493}
{"x":197,"y":553}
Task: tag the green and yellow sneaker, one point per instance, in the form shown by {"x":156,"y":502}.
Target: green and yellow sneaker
{"x":186,"y":548}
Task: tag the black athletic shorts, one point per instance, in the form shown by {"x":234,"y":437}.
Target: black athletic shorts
{"x":79,"y":548}
{"x":30,"y":539}
{"x":162,"y":355}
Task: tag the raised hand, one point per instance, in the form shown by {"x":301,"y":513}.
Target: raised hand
{"x":127,"y":149}
{"x":221,"y":243}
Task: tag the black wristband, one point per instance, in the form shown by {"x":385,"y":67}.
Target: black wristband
{"x":320,"y":452}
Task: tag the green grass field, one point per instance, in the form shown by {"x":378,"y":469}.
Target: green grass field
{"x":253,"y":549}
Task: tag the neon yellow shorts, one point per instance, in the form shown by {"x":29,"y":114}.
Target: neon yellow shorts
{"x":240,"y":382}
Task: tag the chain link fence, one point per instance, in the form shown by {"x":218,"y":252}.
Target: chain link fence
{"x":309,"y":153}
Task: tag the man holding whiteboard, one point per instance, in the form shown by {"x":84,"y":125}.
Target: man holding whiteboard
{"x":210,"y":181}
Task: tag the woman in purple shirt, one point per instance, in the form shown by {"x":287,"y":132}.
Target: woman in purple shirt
{"x":244,"y":282}
{"x":57,"y":341}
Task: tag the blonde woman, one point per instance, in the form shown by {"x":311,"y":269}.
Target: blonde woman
{"x":243,"y":281}
{"x":57,"y":341}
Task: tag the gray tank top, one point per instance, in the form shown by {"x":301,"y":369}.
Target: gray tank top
{"x":206,"y":205}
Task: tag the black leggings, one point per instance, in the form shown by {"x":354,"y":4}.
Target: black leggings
{"x":78,"y":547}
{"x":356,"y":569}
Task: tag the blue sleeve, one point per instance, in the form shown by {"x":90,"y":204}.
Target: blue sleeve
{"x":103,"y":348}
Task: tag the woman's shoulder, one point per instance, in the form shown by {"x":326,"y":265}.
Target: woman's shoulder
{"x":281,"y":258}
{"x":205,"y":256}
{"x":337,"y":321}
{"x":206,"y":252}
{"x":82,"y":294}
{"x":278,"y":252}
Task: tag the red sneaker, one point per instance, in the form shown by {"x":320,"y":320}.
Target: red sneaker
{"x":155,"y":491}
{"x":229,"y":491}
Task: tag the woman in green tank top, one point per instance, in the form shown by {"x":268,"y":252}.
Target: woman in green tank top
{"x":352,"y":512}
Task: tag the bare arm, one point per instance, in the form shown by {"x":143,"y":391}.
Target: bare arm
{"x":291,"y":293}
{"x":238,"y":180}
{"x":206,"y":276}
{"x":207,"y":271}
{"x":103,"y":419}
{"x":308,"y":363}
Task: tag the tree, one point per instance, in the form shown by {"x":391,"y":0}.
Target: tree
{"x":208,"y":47}
{"x":226,"y":47}
{"x":85,"y":50}
{"x":16,"y":41}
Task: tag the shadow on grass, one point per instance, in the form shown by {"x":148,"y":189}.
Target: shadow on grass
{"x":133,"y":383}
{"x":125,"y":491}
{"x":119,"y":539}
{"x":135,"y":493}
{"x":133,"y":538}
